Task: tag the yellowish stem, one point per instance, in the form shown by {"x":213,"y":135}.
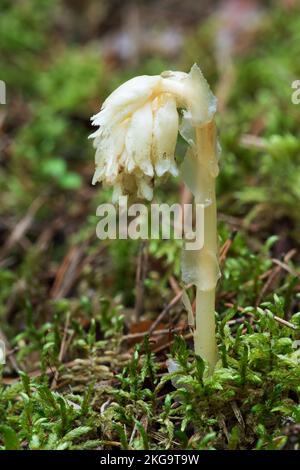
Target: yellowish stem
{"x":205,"y":336}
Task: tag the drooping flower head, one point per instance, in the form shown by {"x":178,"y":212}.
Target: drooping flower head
{"x":138,"y":127}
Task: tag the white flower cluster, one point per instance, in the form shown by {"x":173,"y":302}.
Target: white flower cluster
{"x":138,"y":128}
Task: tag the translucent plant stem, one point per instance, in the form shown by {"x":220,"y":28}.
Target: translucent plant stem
{"x":204,"y":336}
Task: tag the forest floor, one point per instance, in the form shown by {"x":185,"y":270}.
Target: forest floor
{"x":86,"y":364}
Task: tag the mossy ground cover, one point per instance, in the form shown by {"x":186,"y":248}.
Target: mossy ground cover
{"x":82,"y":372}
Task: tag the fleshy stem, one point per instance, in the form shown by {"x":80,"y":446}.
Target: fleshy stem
{"x":204,"y":335}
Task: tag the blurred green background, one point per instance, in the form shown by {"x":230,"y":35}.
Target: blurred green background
{"x":61,"y":58}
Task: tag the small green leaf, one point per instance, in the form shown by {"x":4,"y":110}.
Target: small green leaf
{"x":11,"y":441}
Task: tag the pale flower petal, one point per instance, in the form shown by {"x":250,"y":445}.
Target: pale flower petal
{"x":145,"y":189}
{"x":97,"y":175}
{"x":126,"y":99}
{"x":117,"y":192}
{"x":139,"y":126}
{"x":139,"y":139}
{"x":135,"y":90}
{"x":165,"y":130}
